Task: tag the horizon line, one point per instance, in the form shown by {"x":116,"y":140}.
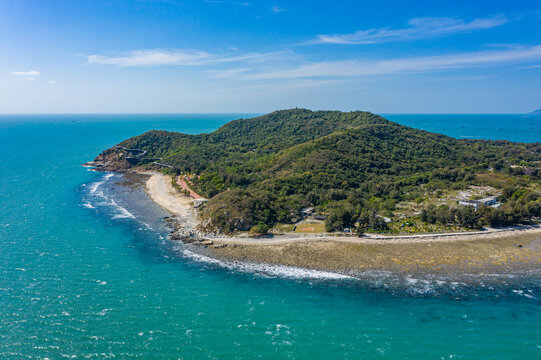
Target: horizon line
{"x":257,"y":113}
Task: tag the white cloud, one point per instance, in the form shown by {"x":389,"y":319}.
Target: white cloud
{"x":403,"y":65}
{"x":31,"y":73}
{"x":418,"y":28}
{"x":229,"y":73}
{"x":175,"y":57}
{"x":538,"y":66}
{"x":276,"y":9}
{"x":236,"y":3}
{"x":152,"y":58}
{"x":53,"y":82}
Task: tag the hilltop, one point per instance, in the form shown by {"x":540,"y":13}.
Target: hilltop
{"x":356,"y":169}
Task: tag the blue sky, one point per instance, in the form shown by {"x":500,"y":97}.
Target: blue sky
{"x":170,"y":56}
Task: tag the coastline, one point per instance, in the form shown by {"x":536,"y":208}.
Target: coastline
{"x":500,"y":250}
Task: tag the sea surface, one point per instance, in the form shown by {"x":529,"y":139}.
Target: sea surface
{"x":87,"y":271}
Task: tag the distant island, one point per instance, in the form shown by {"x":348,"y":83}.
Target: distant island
{"x":536,"y":112}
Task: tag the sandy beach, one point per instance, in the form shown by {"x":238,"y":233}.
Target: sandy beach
{"x":162,"y":192}
{"x":507,"y":249}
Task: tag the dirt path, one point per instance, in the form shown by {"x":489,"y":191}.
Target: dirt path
{"x":382,"y":239}
{"x":183,"y":184}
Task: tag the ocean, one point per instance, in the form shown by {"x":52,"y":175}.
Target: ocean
{"x":87,"y":271}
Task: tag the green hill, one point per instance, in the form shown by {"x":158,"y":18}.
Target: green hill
{"x":353,"y":167}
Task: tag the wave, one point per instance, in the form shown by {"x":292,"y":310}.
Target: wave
{"x":95,"y":191}
{"x":122,"y":212}
{"x":97,"y":195}
{"x":88,"y":205}
{"x":267,"y":270}
{"x":522,"y":284}
{"x":93,"y":188}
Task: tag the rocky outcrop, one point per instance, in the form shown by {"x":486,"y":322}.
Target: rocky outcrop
{"x":113,"y":159}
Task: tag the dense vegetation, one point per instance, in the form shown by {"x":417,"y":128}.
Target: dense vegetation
{"x":353,"y":167}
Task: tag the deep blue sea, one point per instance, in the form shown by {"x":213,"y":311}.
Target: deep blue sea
{"x":87,"y":271}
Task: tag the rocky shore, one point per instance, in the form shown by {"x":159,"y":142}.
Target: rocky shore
{"x":489,"y":255}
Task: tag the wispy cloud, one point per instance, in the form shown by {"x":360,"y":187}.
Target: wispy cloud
{"x":53,"y":82}
{"x":179,"y":57}
{"x":26,"y":75}
{"x":276,"y":9}
{"x":229,"y":73}
{"x":152,"y":58}
{"x":171,"y":2}
{"x":418,"y":28}
{"x":537,"y":66}
{"x":402,"y":65}
{"x":236,"y":3}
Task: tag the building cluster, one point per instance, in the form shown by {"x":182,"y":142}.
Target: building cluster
{"x":491,"y":201}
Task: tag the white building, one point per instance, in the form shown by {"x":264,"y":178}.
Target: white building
{"x":491,"y":201}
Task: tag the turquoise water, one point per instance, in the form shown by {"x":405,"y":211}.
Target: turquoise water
{"x":85,"y":273}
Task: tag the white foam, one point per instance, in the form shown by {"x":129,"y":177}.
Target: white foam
{"x":526,"y":293}
{"x":122,"y":212}
{"x":267,"y":269}
{"x":421,"y":286}
{"x":88,"y":205}
{"x":104,"y":312}
{"x":94,"y":186}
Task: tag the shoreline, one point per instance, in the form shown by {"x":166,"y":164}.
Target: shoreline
{"x":507,"y":249}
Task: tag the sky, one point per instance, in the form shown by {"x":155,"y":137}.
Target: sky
{"x":247,"y":56}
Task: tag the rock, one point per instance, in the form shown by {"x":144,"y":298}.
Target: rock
{"x":207,"y":242}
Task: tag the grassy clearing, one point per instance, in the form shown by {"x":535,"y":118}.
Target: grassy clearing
{"x":305,"y":227}
{"x":281,"y":228}
{"x":416,"y":226}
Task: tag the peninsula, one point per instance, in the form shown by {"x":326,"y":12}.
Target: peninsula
{"x":298,"y":180}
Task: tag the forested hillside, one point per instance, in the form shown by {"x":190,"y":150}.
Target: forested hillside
{"x":353,"y":167}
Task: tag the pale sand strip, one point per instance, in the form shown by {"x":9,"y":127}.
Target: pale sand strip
{"x":162,"y":192}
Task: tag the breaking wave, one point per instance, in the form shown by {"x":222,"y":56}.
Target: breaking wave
{"x":97,"y":197}
{"x":267,"y":270}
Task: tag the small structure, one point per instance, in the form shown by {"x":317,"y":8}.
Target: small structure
{"x":307,"y":211}
{"x":491,"y":201}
